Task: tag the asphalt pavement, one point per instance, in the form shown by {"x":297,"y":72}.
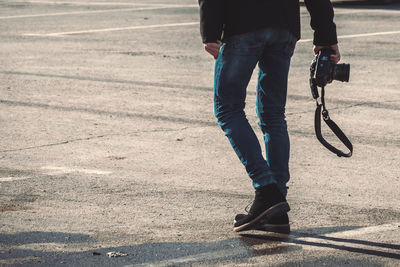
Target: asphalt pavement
{"x":109,"y":143}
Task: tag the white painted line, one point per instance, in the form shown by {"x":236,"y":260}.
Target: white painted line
{"x":114,"y":29}
{"x":56,"y":169}
{"x":356,"y":35}
{"x":309,"y":243}
{"x":10,"y":179}
{"x":368,"y":34}
{"x":197,"y":258}
{"x":80,"y":3}
{"x":339,"y":239}
{"x":59,"y":34}
{"x":366,"y":230}
{"x":305,"y":14}
{"x":305,"y":40}
{"x":93,"y":12}
{"x":364,"y":11}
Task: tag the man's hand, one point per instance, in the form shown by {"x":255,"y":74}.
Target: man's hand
{"x":334,"y":58}
{"x":213,"y":48}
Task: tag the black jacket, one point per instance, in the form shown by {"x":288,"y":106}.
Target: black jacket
{"x":224,"y":18}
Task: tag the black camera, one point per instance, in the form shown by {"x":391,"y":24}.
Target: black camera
{"x":323,"y":71}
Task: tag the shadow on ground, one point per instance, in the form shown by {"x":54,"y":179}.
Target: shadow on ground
{"x":233,"y":250}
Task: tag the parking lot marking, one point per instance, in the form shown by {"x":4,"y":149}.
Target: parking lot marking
{"x":364,"y":11}
{"x":196,"y":258}
{"x":10,"y":179}
{"x":92,"y":12}
{"x":85,"y":3}
{"x":368,"y":34}
{"x":308,"y":243}
{"x":99,"y":3}
{"x":57,"y":169}
{"x":114,"y":29}
{"x":58,"y":34}
{"x":366,"y":230}
{"x":356,"y":35}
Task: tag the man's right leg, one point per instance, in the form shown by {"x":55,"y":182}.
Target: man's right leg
{"x":233,"y":70}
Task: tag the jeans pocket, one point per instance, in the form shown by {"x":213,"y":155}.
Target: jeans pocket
{"x":244,"y":45}
{"x":290,"y":44}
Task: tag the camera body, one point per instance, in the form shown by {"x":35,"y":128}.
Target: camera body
{"x":323,"y":71}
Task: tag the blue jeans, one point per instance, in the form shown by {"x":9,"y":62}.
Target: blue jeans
{"x":272,"y":49}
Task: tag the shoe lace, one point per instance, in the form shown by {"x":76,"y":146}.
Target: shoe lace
{"x":247,"y":207}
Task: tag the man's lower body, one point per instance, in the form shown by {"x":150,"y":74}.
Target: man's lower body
{"x":272,"y":50}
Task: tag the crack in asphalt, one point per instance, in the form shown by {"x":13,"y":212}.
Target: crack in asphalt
{"x":52,"y":144}
{"x":92,"y":137}
{"x":108,"y":113}
{"x":107,"y":80}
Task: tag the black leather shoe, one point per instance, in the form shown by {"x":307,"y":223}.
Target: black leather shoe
{"x":269,"y":202}
{"x":279,"y":224}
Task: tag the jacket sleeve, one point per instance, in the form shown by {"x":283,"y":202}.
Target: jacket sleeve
{"x":211,"y":20}
{"x":321,"y":12}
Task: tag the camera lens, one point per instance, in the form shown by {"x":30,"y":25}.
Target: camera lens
{"x":342,"y":72}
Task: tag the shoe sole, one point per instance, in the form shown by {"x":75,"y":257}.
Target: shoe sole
{"x":276,"y":210}
{"x":274,"y":228}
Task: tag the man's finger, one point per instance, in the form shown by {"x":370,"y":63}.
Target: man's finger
{"x":212,"y":51}
{"x":213,"y":45}
{"x":335,"y":58}
{"x":213,"y":48}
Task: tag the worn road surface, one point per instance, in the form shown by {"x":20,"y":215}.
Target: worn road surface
{"x":108,"y":142}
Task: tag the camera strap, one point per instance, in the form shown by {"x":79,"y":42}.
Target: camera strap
{"x":322,"y":113}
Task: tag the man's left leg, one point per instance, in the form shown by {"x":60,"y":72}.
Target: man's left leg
{"x":271,"y":102}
